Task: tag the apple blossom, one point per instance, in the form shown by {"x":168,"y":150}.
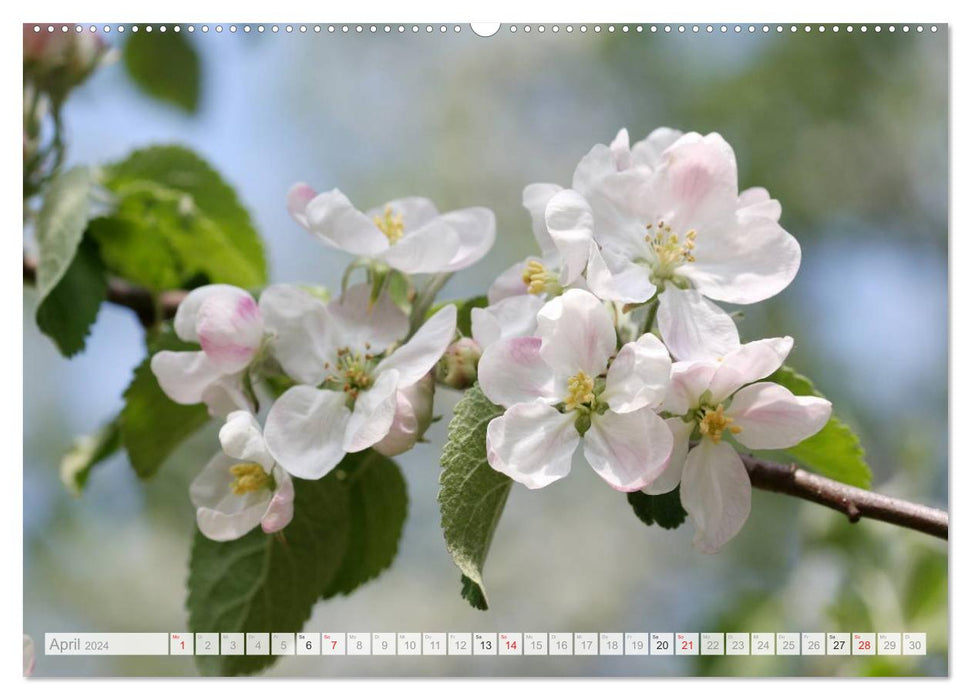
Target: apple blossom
{"x":412,"y":416}
{"x":569,"y":384}
{"x":349,"y":376}
{"x":405,"y":234}
{"x":709,"y":402}
{"x":458,"y":367}
{"x":242,"y":487}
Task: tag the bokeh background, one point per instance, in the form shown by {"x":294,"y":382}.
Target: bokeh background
{"x":848,"y":131}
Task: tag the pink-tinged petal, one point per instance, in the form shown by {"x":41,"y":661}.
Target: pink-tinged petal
{"x":297,"y":322}
{"x":514,"y":317}
{"x":670,"y":476}
{"x":476,"y":231}
{"x":747,"y":260}
{"x":511,"y":371}
{"x":356,"y":323}
{"x":305,"y":431}
{"x":535,"y":199}
{"x":184,"y":376}
{"x":620,"y":150}
{"x":532,"y":443}
{"x":415,"y":212}
{"x":373,"y":413}
{"x":426,"y":249}
{"x":230,"y":329}
{"x":772,"y":417}
{"x":628,"y":450}
{"x":596,"y":165}
{"x":613,"y":276}
{"x":298,"y":197}
{"x":647,"y":153}
{"x":187,"y":315}
{"x":693,"y":328}
{"x":569,"y":220}
{"x":578,"y":334}
{"x":412,"y":416}
{"x":242,"y":438}
{"x":749,"y":363}
{"x":639,"y":376}
{"x":756,"y":201}
{"x":224,"y":527}
{"x":689,"y":380}
{"x":415,"y":359}
{"x":279,"y":511}
{"x":332,"y":218}
{"x":717,"y":494}
{"x":509,"y":283}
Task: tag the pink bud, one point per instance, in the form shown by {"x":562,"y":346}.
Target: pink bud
{"x":412,"y":417}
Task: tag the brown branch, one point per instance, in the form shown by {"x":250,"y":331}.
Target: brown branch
{"x":853,"y":502}
{"x":122,"y":293}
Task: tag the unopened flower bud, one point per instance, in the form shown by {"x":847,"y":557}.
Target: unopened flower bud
{"x":412,"y":416}
{"x":59,"y":60}
{"x":458,"y":367}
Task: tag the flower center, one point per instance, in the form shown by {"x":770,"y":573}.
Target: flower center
{"x":669,"y":250}
{"x":249,"y":477}
{"x":715,"y":422}
{"x":579,"y":391}
{"x":538,"y":279}
{"x":352,"y":372}
{"x":391,"y":225}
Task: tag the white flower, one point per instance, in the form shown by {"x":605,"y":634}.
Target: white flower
{"x":350,"y":379}
{"x":228,"y":324}
{"x":412,"y":416}
{"x":712,"y":400}
{"x":242,"y":487}
{"x":512,"y":317}
{"x":561,"y":386}
{"x":406,"y":234}
{"x":679,"y":227}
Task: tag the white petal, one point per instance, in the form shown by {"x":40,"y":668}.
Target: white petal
{"x":693,"y":328}
{"x":509,"y":283}
{"x":187,"y":315}
{"x":298,"y":198}
{"x":333,"y":219}
{"x":755,"y":201}
{"x":226,"y":395}
{"x":647,"y":153}
{"x":614,"y":276}
{"x":716,"y":492}
{"x":535,"y":198}
{"x":577,"y":334}
{"x":569,"y":220}
{"x":476,"y":231}
{"x":415,"y":212}
{"x":279,"y":511}
{"x":297,"y":321}
{"x":220,"y":514}
{"x":772,"y":418}
{"x":532,"y":443}
{"x":242,"y":438}
{"x":305,"y":431}
{"x":360,"y":324}
{"x":628,"y":450}
{"x":412,"y":416}
{"x":415,"y":359}
{"x":639,"y":375}
{"x":184,"y":376}
{"x":620,"y":150}
{"x":746,"y":261}
{"x":598,"y":164}
{"x":427,"y":249}
{"x":230,"y":329}
{"x":670,"y":477}
{"x":511,"y":371}
{"x":689,"y":380}
{"x":514,"y":317}
{"x":749,"y":363}
{"x":373,"y":413}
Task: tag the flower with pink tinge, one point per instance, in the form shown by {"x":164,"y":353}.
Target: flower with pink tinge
{"x":412,"y":416}
{"x":712,"y":401}
{"x":569,"y":384}
{"x":406,"y":234}
{"x":242,"y":486}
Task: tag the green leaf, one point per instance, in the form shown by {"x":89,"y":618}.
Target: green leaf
{"x":87,"y":452}
{"x":378,"y":501}
{"x":177,"y":213}
{"x":68,"y":310}
{"x":165,"y":66}
{"x":269,"y":583}
{"x":60,"y":225}
{"x":152,"y":424}
{"x":664,"y":510}
{"x":473,"y":494}
{"x":835,"y":451}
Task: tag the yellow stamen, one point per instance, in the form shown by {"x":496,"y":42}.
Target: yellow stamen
{"x":669,"y":249}
{"x":580,"y":388}
{"x":537,"y":278}
{"x":391,"y":225}
{"x":352,"y":371}
{"x":715,"y":422}
{"x":249,"y":477}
